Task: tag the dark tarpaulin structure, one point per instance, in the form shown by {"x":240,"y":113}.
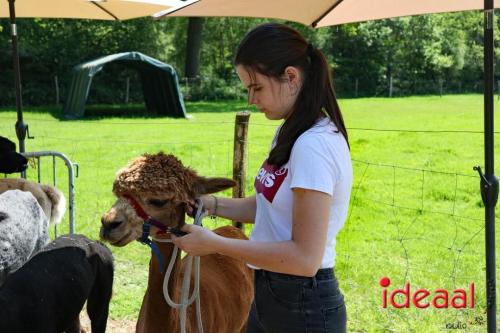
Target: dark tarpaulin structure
{"x":160,"y":84}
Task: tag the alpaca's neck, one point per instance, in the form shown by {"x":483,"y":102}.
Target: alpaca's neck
{"x":156,"y":315}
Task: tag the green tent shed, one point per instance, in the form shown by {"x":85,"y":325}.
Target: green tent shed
{"x":160,"y":84}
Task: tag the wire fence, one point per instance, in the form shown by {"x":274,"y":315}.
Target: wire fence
{"x":411,"y":224}
{"x":425,"y":227}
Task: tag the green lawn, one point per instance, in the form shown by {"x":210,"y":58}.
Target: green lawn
{"x":416,"y":214}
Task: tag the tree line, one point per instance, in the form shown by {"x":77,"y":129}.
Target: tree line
{"x":403,"y":56}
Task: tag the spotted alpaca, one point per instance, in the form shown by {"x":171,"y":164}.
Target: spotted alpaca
{"x":27,"y":209}
{"x":23,"y":230}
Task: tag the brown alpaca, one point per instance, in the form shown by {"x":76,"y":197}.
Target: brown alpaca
{"x":163,"y":187}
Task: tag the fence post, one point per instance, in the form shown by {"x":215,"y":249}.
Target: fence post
{"x":498,"y":86}
{"x":440,"y":88}
{"x":356,"y":88}
{"x":390,"y":86}
{"x":240,"y":156}
{"x":127,"y":90}
{"x":56,"y":82}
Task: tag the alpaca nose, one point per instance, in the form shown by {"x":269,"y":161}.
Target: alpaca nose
{"x":107,"y":227}
{"x":109,"y":221}
{"x":114,"y":225}
{"x":104,"y":220}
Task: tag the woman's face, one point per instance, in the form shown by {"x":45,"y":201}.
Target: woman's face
{"x":275,"y":98}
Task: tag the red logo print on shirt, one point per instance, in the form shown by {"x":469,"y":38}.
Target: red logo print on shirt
{"x":269,"y":180}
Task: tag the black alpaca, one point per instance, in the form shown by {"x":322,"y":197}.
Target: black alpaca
{"x":10,"y":161}
{"x":47,"y":294}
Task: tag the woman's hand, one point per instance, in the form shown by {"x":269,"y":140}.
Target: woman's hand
{"x":208,"y":201}
{"x":198,"y":242}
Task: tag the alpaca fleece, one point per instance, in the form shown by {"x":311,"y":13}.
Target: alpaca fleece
{"x":49,"y":198}
{"x":23,"y":230}
{"x":155,"y":174}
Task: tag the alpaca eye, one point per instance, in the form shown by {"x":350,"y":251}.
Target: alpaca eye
{"x":157,"y":202}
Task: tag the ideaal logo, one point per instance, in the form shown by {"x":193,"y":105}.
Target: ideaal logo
{"x":423,"y":298}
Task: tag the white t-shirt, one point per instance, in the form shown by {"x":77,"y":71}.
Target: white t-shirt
{"x":320,"y":161}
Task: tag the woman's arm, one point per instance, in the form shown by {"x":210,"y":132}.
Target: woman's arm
{"x":235,"y":209}
{"x":299,"y":256}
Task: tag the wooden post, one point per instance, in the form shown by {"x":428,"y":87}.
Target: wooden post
{"x":56,"y":82}
{"x":390,"y":86}
{"x":240,"y":156}
{"x":440,"y":88}
{"x":498,"y":86}
{"x":356,"y":88}
{"x":127,"y":90}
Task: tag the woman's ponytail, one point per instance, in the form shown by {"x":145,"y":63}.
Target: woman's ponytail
{"x":269,"y":49}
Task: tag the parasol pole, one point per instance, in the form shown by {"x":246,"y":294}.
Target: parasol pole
{"x":489,"y":182}
{"x":21,"y":127}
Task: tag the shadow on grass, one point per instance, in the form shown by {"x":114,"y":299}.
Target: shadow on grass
{"x":100,"y":111}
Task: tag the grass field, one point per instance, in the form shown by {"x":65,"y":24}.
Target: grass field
{"x":416,"y":214}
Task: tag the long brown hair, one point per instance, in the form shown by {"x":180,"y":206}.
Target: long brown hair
{"x":270,"y":48}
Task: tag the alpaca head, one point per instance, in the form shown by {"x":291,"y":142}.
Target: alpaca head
{"x":162,"y":186}
{"x":10,"y":160}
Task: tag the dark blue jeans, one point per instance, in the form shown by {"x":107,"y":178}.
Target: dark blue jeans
{"x":295,"y":304}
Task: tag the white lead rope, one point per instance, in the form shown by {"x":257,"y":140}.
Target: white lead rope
{"x":185,"y":301}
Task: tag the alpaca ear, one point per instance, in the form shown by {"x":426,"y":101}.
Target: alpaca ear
{"x":204,"y":185}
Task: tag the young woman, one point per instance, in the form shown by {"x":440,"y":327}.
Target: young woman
{"x":302,"y":188}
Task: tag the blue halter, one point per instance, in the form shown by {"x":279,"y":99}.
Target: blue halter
{"x":146,"y":228}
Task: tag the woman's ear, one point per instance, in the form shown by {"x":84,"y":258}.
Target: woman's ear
{"x":294,"y":78}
